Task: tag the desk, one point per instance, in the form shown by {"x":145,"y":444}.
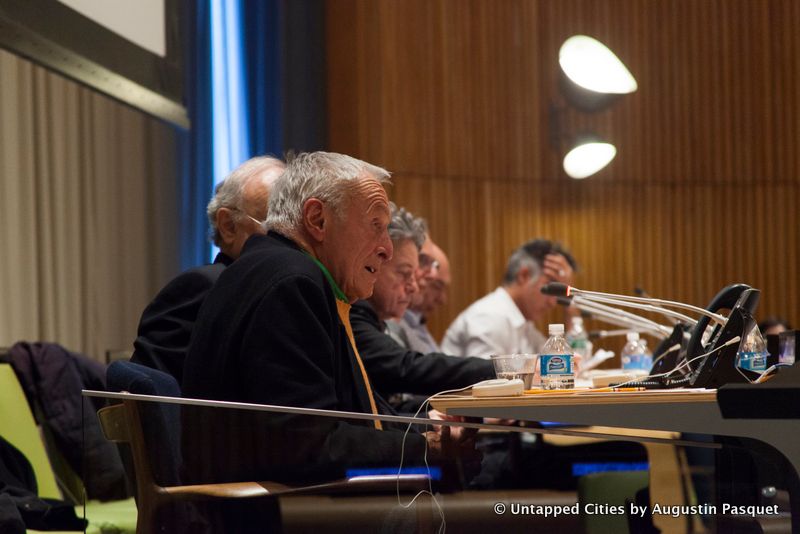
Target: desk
{"x":688,"y":411}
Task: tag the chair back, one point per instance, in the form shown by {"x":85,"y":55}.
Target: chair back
{"x":159,"y":422}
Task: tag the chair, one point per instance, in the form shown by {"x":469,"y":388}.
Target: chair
{"x":18,"y":427}
{"x":156,"y":460}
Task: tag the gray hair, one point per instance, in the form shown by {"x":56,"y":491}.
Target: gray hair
{"x":531,"y":255}
{"x":326,"y":176}
{"x":403,"y":225}
{"x":229,"y":193}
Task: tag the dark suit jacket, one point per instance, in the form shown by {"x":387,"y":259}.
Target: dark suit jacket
{"x":165,"y":328}
{"x":393,"y":368}
{"x":269,"y":333}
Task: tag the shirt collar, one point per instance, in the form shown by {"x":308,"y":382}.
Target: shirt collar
{"x":504,"y":299}
{"x":338,"y":293}
{"x":413,"y":318}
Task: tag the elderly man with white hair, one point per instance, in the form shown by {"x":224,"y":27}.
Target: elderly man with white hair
{"x":236,"y":212}
{"x":276,"y":328}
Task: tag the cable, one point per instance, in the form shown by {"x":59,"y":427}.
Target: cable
{"x":764,"y":374}
{"x":673,"y":348}
{"x":429,"y":491}
{"x":687,"y":362}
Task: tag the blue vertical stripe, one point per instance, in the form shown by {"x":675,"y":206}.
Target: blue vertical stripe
{"x":234,"y":92}
{"x":230,"y":137}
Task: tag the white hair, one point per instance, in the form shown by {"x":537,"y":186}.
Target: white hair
{"x":326,"y":176}
{"x":229,"y":192}
{"x":403,"y":225}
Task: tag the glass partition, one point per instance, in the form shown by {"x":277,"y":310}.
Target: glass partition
{"x":203,"y":466}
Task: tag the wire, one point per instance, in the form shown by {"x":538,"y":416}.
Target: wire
{"x":673,"y":348}
{"x":764,"y":374}
{"x":429,"y":491}
{"x":684,"y":363}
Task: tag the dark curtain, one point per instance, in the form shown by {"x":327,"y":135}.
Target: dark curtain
{"x":284,"y":66}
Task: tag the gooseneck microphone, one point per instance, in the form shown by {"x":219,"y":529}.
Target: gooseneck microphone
{"x":557,"y":289}
{"x":632,"y":322}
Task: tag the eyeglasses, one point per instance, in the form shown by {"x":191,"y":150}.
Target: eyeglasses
{"x":427,"y":264}
{"x":260,"y":223}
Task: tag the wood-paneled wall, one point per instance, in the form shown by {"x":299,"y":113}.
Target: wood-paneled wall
{"x":461,"y":101}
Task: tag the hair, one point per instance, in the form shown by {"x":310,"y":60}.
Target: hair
{"x":403,"y":225}
{"x":326,"y":176}
{"x":531,"y":255}
{"x":772,"y":321}
{"x":229,"y":193}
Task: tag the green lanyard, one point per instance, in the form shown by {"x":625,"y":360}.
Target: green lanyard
{"x":336,"y":291}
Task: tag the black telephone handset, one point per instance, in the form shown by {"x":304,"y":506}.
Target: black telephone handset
{"x":718,"y":367}
{"x":726,"y":299}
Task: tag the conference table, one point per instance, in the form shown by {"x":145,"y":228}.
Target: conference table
{"x":687,"y":411}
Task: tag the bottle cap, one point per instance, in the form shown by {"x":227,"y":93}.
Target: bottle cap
{"x":578,"y":321}
{"x":633,"y":336}
{"x":555,"y":329}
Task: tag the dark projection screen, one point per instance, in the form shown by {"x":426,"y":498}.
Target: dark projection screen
{"x":55,"y":36}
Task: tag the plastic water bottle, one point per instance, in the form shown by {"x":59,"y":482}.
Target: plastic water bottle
{"x":647,"y":356}
{"x":556,"y":360}
{"x":578,"y":339}
{"x":752,"y":355}
{"x":634,"y":353}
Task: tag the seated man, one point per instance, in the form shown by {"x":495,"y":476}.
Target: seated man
{"x":391,"y":367}
{"x":275,"y":329}
{"x":502,"y":321}
{"x":237,"y":211}
{"x":411,"y":331}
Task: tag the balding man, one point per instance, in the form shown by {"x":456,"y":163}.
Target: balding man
{"x":236,"y":212}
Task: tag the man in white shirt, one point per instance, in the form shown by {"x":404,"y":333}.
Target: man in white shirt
{"x":502,"y":321}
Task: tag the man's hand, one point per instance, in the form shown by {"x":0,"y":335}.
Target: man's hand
{"x":557,"y":268}
{"x":452,"y":442}
{"x":458,"y":434}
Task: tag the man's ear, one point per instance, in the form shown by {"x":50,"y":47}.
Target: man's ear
{"x":226,"y":226}
{"x":314,"y":215}
{"x":523,"y":275}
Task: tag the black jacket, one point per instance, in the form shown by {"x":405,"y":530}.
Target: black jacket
{"x":269,"y":333}
{"x":20,"y":507}
{"x":393,"y":368}
{"x":165,"y":328}
{"x":52,"y":378}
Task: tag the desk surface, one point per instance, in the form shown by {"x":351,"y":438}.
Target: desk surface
{"x":693,"y":411}
{"x":579,"y":397}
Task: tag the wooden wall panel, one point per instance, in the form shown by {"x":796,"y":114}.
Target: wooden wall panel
{"x":457,"y":99}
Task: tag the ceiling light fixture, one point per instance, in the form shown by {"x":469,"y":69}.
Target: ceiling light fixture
{"x":593,"y":66}
{"x":588,"y":157}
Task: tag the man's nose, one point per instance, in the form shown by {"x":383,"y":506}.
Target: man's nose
{"x":412,"y":286}
{"x":385,"y":248}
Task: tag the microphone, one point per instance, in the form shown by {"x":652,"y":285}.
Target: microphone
{"x":622,"y":317}
{"x":602,"y":334}
{"x":614,"y":316}
{"x":593,"y":310}
{"x":642,"y":303}
{"x":567,"y":302}
{"x":556,"y":289}
{"x":639,"y":292}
